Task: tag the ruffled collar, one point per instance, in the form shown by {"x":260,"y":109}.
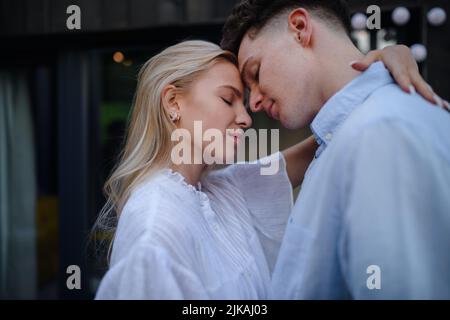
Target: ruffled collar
{"x":179,"y":178}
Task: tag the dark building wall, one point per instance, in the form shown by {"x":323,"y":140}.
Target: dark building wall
{"x":33,"y":34}
{"x":21,"y":17}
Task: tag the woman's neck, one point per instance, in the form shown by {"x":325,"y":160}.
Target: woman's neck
{"x":191,"y":172}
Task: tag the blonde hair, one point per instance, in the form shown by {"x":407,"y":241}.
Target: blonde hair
{"x":148,"y":142}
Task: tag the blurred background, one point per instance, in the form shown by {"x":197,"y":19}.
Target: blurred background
{"x":65,"y":96}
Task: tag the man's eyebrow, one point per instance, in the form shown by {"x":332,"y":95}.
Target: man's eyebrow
{"x":236,"y":91}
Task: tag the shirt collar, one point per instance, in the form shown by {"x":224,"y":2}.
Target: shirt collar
{"x":339,"y":106}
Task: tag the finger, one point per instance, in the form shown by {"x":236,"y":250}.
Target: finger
{"x":358,"y":66}
{"x":402,"y":78}
{"x":446,"y":105}
{"x":364,"y":63}
{"x":439,"y":101}
{"x":422,"y":87}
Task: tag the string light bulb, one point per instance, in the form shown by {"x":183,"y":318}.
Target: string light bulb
{"x":437,"y":16}
{"x":359,"y":21}
{"x":419,"y":52}
{"x":401,"y":16}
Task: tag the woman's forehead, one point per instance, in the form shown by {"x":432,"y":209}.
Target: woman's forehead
{"x":223,"y":73}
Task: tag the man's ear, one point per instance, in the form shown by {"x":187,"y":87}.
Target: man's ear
{"x":169,"y":96}
{"x":299,"y":21}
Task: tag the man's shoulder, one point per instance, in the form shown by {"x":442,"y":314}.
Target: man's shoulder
{"x":391,"y":108}
{"x":392,"y":120}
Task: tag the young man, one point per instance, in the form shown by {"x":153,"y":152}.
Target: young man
{"x":372,"y":219}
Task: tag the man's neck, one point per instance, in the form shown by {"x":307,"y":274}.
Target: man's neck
{"x":335,"y":58}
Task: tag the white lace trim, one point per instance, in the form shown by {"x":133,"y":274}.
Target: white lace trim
{"x":178,"y":177}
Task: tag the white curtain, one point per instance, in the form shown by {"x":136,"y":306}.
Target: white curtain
{"x":17,"y":190}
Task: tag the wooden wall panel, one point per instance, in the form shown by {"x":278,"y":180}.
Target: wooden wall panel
{"x":114,"y":14}
{"x":143,"y":13}
{"x":37,"y":16}
{"x":13,"y":17}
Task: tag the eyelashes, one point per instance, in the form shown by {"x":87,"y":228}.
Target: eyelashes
{"x":226,"y":101}
{"x":257,"y":74}
{"x":246,"y":97}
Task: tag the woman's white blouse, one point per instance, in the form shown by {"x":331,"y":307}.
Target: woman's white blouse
{"x":174,"y":241}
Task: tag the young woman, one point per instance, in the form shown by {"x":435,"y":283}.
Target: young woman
{"x":183,"y":231}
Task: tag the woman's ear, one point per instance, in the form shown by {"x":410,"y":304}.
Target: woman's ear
{"x":169,"y":96}
{"x":299,"y":21}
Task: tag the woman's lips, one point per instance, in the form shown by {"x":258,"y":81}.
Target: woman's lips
{"x":236,"y":134}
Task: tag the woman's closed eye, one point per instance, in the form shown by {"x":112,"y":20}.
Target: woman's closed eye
{"x":228,"y":102}
{"x":229,"y":95}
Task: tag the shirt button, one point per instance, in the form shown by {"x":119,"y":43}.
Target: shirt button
{"x":215,"y":227}
{"x":328,"y":136}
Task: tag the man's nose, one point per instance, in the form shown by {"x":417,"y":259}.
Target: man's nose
{"x":255,"y":101}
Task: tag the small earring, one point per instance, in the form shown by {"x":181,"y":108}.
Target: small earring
{"x":174,"y":116}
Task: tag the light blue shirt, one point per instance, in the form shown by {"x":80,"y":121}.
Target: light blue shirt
{"x":372,"y":220}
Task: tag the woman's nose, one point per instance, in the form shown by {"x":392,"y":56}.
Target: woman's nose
{"x":255,"y":101}
{"x":243,"y":119}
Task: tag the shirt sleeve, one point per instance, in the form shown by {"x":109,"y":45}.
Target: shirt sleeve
{"x":267,"y":191}
{"x":148,"y":272}
{"x":395,"y":242}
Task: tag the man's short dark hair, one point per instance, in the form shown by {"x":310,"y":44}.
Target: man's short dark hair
{"x":255,"y":14}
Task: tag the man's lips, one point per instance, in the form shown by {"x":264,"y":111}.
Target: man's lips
{"x":271,"y":112}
